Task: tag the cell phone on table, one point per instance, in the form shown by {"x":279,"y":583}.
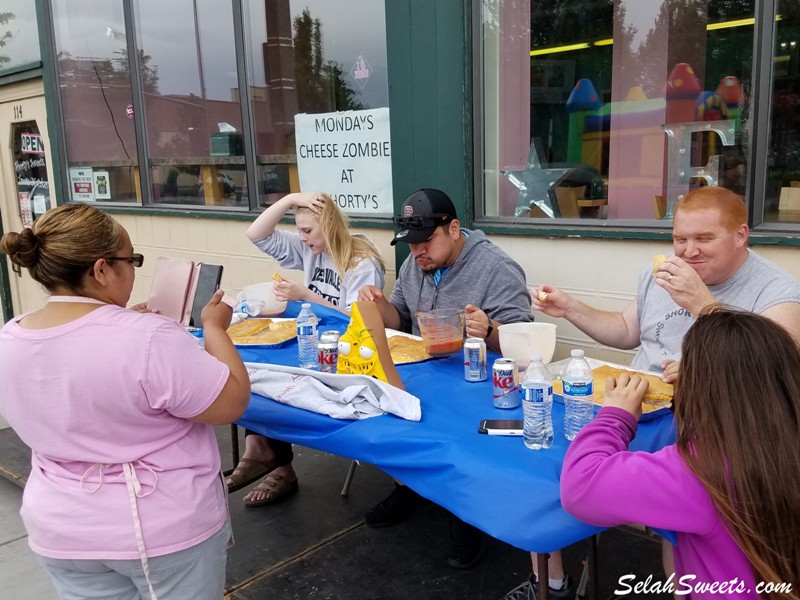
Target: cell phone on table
{"x":208,"y":280}
{"x":501,"y":427}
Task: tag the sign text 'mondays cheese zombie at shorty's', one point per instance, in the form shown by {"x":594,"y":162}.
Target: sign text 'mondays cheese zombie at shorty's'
{"x":347,"y":155}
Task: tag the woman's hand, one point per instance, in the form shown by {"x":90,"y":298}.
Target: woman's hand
{"x":142,"y":308}
{"x":313,"y":200}
{"x":216,"y":313}
{"x":626,"y":393}
{"x":286,"y":290}
{"x":265,"y":223}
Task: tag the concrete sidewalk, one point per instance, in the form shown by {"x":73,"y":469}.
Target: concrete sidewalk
{"x":315,"y":545}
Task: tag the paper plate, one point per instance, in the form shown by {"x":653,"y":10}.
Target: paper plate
{"x":390,"y":333}
{"x":280,"y":344}
{"x":557,"y":367}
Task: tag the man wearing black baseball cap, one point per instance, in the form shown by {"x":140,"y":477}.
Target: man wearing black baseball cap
{"x":449,"y":267}
{"x":422,"y":213}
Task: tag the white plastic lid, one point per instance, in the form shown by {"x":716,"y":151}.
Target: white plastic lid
{"x":305,"y":305}
{"x":536,"y":357}
{"x":577,"y":352}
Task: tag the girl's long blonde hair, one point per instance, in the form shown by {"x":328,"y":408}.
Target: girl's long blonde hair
{"x":345,"y":249}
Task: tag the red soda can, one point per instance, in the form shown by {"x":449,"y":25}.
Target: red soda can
{"x":328,"y":351}
{"x":505,"y":379}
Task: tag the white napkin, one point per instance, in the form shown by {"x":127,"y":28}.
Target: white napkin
{"x":338,"y":396}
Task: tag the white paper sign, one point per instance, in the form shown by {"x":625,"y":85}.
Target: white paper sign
{"x":39,"y":204}
{"x":81,"y":184}
{"x":102,"y":188}
{"x":348,"y":156}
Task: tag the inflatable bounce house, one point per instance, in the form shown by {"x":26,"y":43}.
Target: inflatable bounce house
{"x":634,"y":162}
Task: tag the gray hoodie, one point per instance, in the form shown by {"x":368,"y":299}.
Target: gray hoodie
{"x":482,"y":275}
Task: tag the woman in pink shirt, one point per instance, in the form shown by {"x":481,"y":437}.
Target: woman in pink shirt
{"x":125,"y":496}
{"x":729,"y":486}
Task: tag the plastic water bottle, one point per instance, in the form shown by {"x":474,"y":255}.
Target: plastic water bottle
{"x":307,"y":337}
{"x":537,"y":405}
{"x":578,"y":389}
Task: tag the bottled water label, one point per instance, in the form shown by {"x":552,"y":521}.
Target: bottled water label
{"x":577,"y":388}
{"x":579,"y":408}
{"x":539,"y":394}
{"x":306,"y":330}
{"x":307,"y":338}
{"x":537,"y":405}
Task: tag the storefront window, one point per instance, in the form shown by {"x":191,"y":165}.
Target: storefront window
{"x":782,"y":200}
{"x":94,"y":80}
{"x":19,"y":36}
{"x":191,"y":96}
{"x":306,"y":56}
{"x":611,"y":110}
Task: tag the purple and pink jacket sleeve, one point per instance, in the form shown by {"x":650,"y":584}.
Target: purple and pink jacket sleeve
{"x":604,"y":484}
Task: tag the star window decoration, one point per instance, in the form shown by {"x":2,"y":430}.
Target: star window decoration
{"x":536,"y":183}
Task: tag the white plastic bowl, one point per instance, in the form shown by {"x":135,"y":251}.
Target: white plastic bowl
{"x":520,"y":340}
{"x":263,"y":292}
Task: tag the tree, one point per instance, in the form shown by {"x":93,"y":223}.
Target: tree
{"x":7,"y":36}
{"x":321,"y":86}
{"x":308,"y":64}
{"x":108,"y":72}
{"x":343,"y":97}
{"x":149,"y":75}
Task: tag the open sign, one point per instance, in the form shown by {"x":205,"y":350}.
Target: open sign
{"x":31,"y":143}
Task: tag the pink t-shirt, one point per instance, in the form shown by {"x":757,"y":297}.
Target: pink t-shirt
{"x":114,"y":387}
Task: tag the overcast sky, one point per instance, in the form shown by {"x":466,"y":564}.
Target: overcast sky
{"x":641,"y":14}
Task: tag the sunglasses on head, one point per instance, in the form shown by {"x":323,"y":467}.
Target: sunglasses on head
{"x":420,"y":222}
{"x":136,"y":259}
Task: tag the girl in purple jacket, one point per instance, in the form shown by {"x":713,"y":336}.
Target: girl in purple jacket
{"x":729,"y":486}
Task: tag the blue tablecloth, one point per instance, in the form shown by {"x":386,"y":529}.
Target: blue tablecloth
{"x":492,"y":482}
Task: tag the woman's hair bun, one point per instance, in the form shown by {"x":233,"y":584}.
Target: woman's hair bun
{"x":22,"y":248}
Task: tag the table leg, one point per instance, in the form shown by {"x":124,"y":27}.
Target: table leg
{"x":588,"y":580}
{"x":593,"y":574}
{"x":543,"y":573}
{"x":349,"y":478}
{"x":234,"y":448}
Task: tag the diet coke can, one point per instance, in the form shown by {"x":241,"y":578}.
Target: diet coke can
{"x":505,"y":380}
{"x":474,"y":359}
{"x":328,"y":351}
